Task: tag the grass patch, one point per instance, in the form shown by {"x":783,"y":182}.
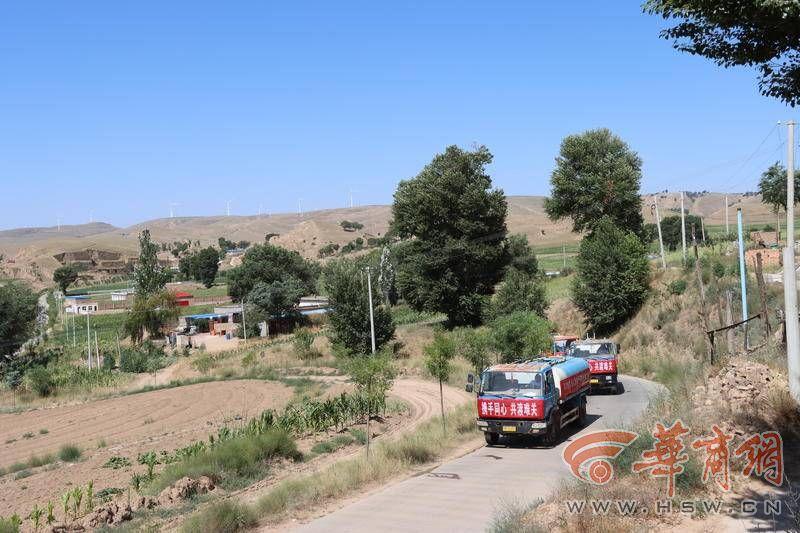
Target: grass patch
{"x":116,"y":462}
{"x":233,"y":462}
{"x":44,"y":431}
{"x":34,"y":461}
{"x":221,"y":517}
{"x":388,"y":459}
{"x":69,"y":453}
{"x":330,"y":446}
{"x":22,"y":474}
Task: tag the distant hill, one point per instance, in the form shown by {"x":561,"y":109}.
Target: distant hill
{"x":29,"y":252}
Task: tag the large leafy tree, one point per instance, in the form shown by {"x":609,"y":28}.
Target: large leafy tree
{"x":772,"y":187}
{"x":346,"y":286}
{"x":277,"y":298}
{"x":612,"y":276}
{"x":671,"y":230}
{"x":64,"y":276}
{"x":201,"y":266}
{"x":597,"y":175}
{"x":18,"y":306}
{"x":455,"y":223}
{"x":760,"y":33}
{"x":149,"y":276}
{"x":150,"y":315}
{"x":267,"y":263}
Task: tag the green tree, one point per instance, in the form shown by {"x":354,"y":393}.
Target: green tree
{"x":201,"y":266}
{"x":456,"y":226}
{"x":346,"y":285}
{"x":18,"y":306}
{"x":671,"y":230}
{"x":438,"y":361}
{"x":277,"y":298}
{"x":597,"y":175}
{"x":474,"y":345}
{"x":150,"y":314}
{"x":612,"y":277}
{"x":267,"y":263}
{"x":772,"y":187}
{"x":520,"y":335}
{"x":523,"y":287}
{"x":373,"y":375}
{"x":64,"y":276}
{"x":387,"y":277}
{"x":149,"y":276}
{"x":756,"y":33}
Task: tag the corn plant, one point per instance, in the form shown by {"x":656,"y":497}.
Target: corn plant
{"x":50,"y":516}
{"x":151,"y":460}
{"x":65,"y":498}
{"x":77,"y":497}
{"x":36,"y":517}
{"x":136,"y":481}
{"x":90,"y":497}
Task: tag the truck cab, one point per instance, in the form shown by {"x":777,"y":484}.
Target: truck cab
{"x":602,"y":356}
{"x":537,"y":397}
{"x":563,"y":343}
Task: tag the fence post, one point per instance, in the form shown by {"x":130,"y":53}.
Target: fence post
{"x":762,"y":291}
{"x":703,"y":314}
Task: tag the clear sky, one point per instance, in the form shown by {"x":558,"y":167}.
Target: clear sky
{"x":120,"y":108}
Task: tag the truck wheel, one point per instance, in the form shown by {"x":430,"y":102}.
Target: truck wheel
{"x":553,"y":434}
{"x":491,"y":438}
{"x":619,"y":389}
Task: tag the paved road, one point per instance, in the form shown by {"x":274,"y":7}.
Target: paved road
{"x":463,"y":494}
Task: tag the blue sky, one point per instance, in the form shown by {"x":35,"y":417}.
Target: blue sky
{"x":122,"y":108}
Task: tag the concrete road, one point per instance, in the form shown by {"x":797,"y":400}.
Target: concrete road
{"x":463,"y":494}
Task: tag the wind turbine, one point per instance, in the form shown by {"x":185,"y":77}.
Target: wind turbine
{"x":91,"y":218}
{"x":300,"y":207}
{"x":58,"y":222}
{"x":228,"y":207}
{"x":172,"y":207}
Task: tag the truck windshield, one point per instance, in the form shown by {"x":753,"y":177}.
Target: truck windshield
{"x":562,"y":345}
{"x":512,"y":383}
{"x":588,"y":350}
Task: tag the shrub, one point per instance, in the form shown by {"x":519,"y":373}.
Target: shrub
{"x":303,"y":344}
{"x":677,"y":287}
{"x":203,"y":363}
{"x":69,"y":453}
{"x":329,"y":446}
{"x":718,"y":269}
{"x":109,"y":361}
{"x":221,"y":517}
{"x":144,"y":358}
{"x":40,"y":381}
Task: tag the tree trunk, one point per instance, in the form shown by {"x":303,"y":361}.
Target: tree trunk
{"x":762,"y":290}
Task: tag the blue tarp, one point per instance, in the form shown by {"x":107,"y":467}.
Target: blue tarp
{"x":206,"y":315}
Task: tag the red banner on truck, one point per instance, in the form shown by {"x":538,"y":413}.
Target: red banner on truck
{"x":516,"y":408}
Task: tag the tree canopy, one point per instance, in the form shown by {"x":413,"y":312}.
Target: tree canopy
{"x":671,"y":230}
{"x":346,"y":285}
{"x":455,"y":225}
{"x":150,"y":314}
{"x":612,"y":276}
{"x":201,"y":266}
{"x":520,"y":335}
{"x":772,"y":187}
{"x":523,"y":286}
{"x":597,"y":175}
{"x":268,"y":263}
{"x":276,"y":298}
{"x":64,"y":276}
{"x":764,"y":34}
{"x":149,"y":276}
{"x":18,"y":306}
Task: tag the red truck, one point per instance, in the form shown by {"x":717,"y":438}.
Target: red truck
{"x":536,"y":397}
{"x":602,"y":356}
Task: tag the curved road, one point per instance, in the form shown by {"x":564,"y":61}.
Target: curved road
{"x":464,"y":494}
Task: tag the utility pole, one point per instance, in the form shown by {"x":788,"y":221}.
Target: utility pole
{"x":742,"y":272}
{"x":789,"y":278}
{"x":683,"y":229}
{"x":371,"y":317}
{"x":564,"y":253}
{"x":703,"y":229}
{"x":88,"y":342}
{"x":727,"y":223}
{"x":703,"y":312}
{"x":74,"y":338}
{"x":660,"y":237}
{"x":96,"y":351}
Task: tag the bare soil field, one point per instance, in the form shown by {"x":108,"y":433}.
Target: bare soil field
{"x":124,"y":426}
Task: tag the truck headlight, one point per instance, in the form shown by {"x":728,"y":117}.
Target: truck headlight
{"x":538,"y":425}
{"x":483,"y":423}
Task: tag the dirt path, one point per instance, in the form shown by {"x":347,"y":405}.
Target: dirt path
{"x":128,"y":425}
